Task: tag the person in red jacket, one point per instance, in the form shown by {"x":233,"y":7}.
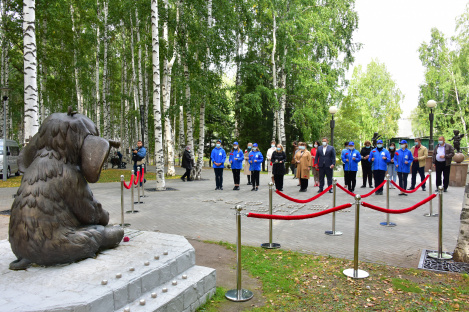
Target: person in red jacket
{"x":314,"y":166}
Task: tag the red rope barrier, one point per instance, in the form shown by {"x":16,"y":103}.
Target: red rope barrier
{"x":298,"y":217}
{"x":138,"y":178}
{"x":426,"y":200}
{"x":412,"y":191}
{"x":143,"y":174}
{"x":363,"y":196}
{"x":303,"y":201}
{"x":128,"y":186}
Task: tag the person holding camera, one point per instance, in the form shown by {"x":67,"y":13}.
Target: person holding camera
{"x":138,"y":157}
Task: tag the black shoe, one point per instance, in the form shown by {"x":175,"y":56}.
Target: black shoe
{"x":249,"y":183}
{"x":445,"y":190}
{"x":363,"y":186}
{"x":257,"y":189}
{"x":404,"y":194}
{"x":237,"y":188}
{"x":234,"y":188}
{"x":423,"y":189}
{"x":221,"y":188}
{"x":217,"y":188}
{"x":330,"y":191}
{"x":401,"y":194}
{"x":183,"y":180}
{"x":411,"y":188}
{"x":253,"y":189}
{"x":302,"y":190}
{"x":320,"y":191}
{"x":281,"y":190}
{"x":371,"y":186}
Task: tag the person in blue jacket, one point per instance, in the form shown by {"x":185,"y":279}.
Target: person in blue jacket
{"x":379,"y":158}
{"x":344,"y":150}
{"x":218,"y":159}
{"x":351,"y":158}
{"x":403,"y":159}
{"x":255,"y":161}
{"x":236,"y":160}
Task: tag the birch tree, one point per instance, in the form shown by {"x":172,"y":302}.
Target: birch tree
{"x":75,"y":62}
{"x":140,"y":74}
{"x":98,"y":42}
{"x":159,"y":157}
{"x":31,"y":122}
{"x":274,"y":72}
{"x":106,"y":106}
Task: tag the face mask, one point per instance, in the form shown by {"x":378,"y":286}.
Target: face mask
{"x":403,"y":147}
{"x":279,"y":148}
{"x":218,"y":145}
{"x":391,"y":148}
{"x":417,"y":144}
{"x":324,"y":143}
{"x":249,"y":147}
{"x":272,"y":146}
{"x":379,"y":145}
{"x":235,"y":146}
{"x":254,"y":148}
{"x":350,"y":147}
{"x":367,"y":146}
{"x":301,"y":147}
{"x":440,"y":142}
{"x":189,"y":150}
{"x":315,"y":145}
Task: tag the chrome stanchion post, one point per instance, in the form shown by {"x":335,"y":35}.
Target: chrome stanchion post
{"x":123,"y":224}
{"x":430,"y":214}
{"x":132,"y":210}
{"x":270,"y":245}
{"x":334,"y":199}
{"x":139,"y":175}
{"x":143,"y":181}
{"x":440,"y":255}
{"x":387,"y":223}
{"x":355,"y":272}
{"x":238,"y":294}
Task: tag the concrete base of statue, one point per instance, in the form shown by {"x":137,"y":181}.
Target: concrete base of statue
{"x":458,"y":174}
{"x":151,"y":272}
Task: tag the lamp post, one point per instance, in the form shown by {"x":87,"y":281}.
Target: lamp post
{"x":332,"y":111}
{"x":431,"y":104}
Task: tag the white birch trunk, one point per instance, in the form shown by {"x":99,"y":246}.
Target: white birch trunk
{"x":97,"y":108}
{"x":31,"y":122}
{"x":190,"y":130}
{"x":123,"y":78}
{"x":239,"y":52}
{"x":283,"y":99}
{"x":182,"y":143}
{"x":106,"y":108}
{"x":147,"y":99}
{"x":274,"y":73}
{"x":140,"y":73}
{"x":134,"y":78}
{"x":461,"y":113}
{"x":159,"y":157}
{"x":75,"y":64}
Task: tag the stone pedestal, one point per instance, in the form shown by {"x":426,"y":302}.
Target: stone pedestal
{"x":151,"y":272}
{"x":458,"y":174}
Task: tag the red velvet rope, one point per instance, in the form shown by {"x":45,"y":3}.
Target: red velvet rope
{"x":128,"y":186}
{"x":363,"y":196}
{"x":426,"y":200}
{"x":303,"y":201}
{"x":298,"y":217}
{"x":143,"y":174}
{"x":415,"y":189}
{"x":138,"y":178}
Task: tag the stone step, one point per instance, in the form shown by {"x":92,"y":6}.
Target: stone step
{"x":184,"y":293}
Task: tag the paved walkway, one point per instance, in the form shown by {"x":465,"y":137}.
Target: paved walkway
{"x":196,"y":210}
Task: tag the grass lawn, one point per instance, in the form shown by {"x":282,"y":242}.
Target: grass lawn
{"x":292,"y":281}
{"x":109,"y":175}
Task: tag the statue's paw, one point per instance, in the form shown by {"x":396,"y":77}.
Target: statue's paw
{"x":112,"y":236}
{"x":20,"y":264}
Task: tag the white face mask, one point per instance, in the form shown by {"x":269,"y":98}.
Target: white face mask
{"x":235,"y":146}
{"x":324,"y":143}
{"x":272,"y":146}
{"x":301,"y":147}
{"x":254,"y":148}
{"x":440,"y":142}
{"x":315,"y":145}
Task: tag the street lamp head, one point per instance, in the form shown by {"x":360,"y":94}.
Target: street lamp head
{"x":431,"y":104}
{"x":5,"y":98}
{"x":333,"y":109}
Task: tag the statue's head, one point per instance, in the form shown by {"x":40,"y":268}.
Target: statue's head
{"x":71,"y":138}
{"x":456,"y":132}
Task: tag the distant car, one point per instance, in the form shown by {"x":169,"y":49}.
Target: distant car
{"x":13,"y":151}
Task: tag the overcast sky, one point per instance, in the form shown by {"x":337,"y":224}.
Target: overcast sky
{"x":392,"y":32}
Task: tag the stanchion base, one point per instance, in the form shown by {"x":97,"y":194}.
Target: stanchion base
{"x":125,"y":224}
{"x":130,"y":211}
{"x":270,"y":246}
{"x":430,"y":215}
{"x":444,"y":256}
{"x":390,"y":224}
{"x":238,"y":296}
{"x":359,"y":273}
{"x":143,"y":196}
{"x":138,"y":202}
{"x":333,"y":233}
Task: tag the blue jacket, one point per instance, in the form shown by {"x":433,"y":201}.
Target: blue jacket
{"x":255,"y":165}
{"x":345,"y":150}
{"x":218,"y":156}
{"x":351,"y":165}
{"x":400,"y":157}
{"x":238,"y":162}
{"x":379,"y":163}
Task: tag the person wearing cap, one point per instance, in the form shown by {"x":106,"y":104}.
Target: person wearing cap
{"x":255,"y":160}
{"x":273,"y":148}
{"x":218,"y":157}
{"x":247,"y":171}
{"x":442,"y":156}
{"x":344,"y":150}
{"x":379,"y":159}
{"x":303,"y":165}
{"x":278,"y":166}
{"x":325,"y":158}
{"x":403,"y":158}
{"x":236,"y":160}
{"x":187,"y":163}
{"x":366,"y":165}
{"x":420,"y":154}
{"x":351,"y":158}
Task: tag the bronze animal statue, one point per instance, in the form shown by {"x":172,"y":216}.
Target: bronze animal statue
{"x":55,"y":218}
{"x":457,"y":140}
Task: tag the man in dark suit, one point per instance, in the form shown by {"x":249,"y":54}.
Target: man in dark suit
{"x":325,"y":158}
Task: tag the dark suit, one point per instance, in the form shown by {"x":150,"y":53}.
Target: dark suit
{"x":324,"y":162}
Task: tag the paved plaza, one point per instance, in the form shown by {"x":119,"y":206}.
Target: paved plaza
{"x":196,"y":210}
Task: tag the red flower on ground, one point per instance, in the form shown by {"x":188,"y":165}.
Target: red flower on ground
{"x":126,"y":239}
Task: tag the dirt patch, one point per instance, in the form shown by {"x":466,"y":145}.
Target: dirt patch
{"x":224,"y":261}
{"x":4,"y":221}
